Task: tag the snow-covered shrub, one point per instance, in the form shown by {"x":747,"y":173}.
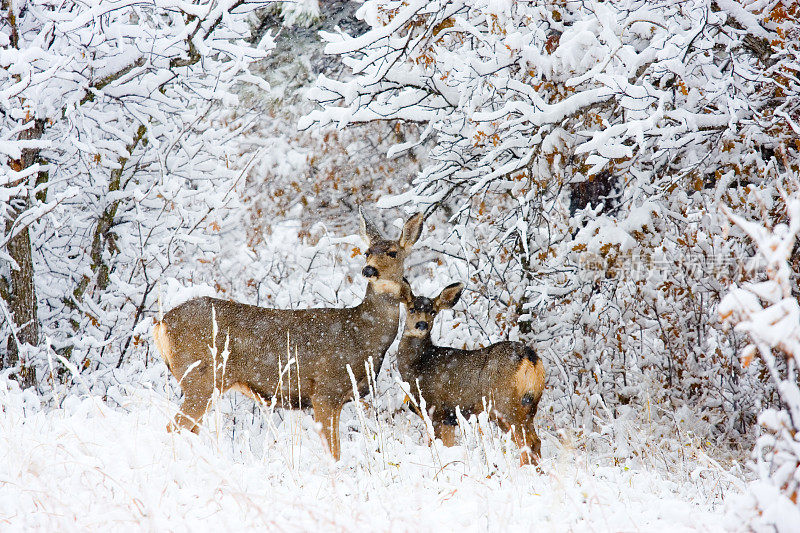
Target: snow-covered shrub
{"x":768,"y":313}
{"x":580,"y":152}
{"x":113,"y":163}
{"x":320,"y":174}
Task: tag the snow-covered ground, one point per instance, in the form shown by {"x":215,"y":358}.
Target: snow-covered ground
{"x":90,"y":466}
{"x":94,"y":454}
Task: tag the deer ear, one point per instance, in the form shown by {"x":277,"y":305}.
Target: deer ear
{"x":405,"y":291}
{"x":448,"y":297}
{"x":411,"y":231}
{"x":369,"y":231}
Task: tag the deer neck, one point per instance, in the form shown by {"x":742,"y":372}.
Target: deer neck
{"x":412,"y":352}
{"x":380,"y":309}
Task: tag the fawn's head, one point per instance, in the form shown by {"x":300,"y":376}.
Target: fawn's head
{"x":422,"y":311}
{"x":385,"y":258}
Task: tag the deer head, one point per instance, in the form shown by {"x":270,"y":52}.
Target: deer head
{"x":422,"y":311}
{"x":385,"y":257}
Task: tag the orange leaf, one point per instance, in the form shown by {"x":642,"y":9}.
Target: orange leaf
{"x":748,"y":355}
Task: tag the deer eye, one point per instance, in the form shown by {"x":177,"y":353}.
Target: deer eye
{"x":391,"y":254}
{"x":367,"y":253}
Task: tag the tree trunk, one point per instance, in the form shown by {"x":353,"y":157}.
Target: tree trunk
{"x":103,"y":236}
{"x":21,"y":291}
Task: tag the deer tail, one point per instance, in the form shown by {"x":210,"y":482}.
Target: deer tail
{"x":161,"y":335}
{"x":163,"y":343}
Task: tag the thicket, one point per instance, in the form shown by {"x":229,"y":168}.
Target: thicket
{"x":588,"y":156}
{"x":581,"y":152}
{"x":113,"y":167}
{"x":768,"y":313}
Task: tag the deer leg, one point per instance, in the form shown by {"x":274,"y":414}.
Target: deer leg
{"x":191,"y":414}
{"x":533,"y":442}
{"x":532,"y":439}
{"x":521,"y":441}
{"x":328,"y":414}
{"x":197,"y":394}
{"x":446,"y":432}
{"x":524,"y":436}
{"x":336,"y":446}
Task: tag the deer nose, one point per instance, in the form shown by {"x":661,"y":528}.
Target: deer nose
{"x":370,"y":272}
{"x":421,"y":325}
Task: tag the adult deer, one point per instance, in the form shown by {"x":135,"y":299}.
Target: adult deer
{"x":326,"y":339}
{"x":508,"y":375}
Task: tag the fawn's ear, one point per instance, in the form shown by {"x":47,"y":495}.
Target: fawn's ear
{"x":369,"y":231}
{"x":448,"y":297}
{"x":411,"y":231}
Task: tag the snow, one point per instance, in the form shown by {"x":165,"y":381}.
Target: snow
{"x":502,"y":113}
{"x":87,"y":465}
{"x":174,"y":293}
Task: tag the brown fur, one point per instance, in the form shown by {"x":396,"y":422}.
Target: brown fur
{"x":243,"y":388}
{"x":509,"y":374}
{"x":326,"y":340}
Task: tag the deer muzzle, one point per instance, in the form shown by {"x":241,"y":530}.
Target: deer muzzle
{"x":370,"y":272}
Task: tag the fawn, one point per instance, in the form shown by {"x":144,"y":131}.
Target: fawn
{"x":257,"y":339}
{"x":509,"y":375}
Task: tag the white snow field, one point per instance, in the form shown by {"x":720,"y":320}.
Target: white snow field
{"x":88,"y":466}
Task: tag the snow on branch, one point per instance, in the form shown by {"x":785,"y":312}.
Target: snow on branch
{"x":769,"y":314}
{"x":113,"y":164}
